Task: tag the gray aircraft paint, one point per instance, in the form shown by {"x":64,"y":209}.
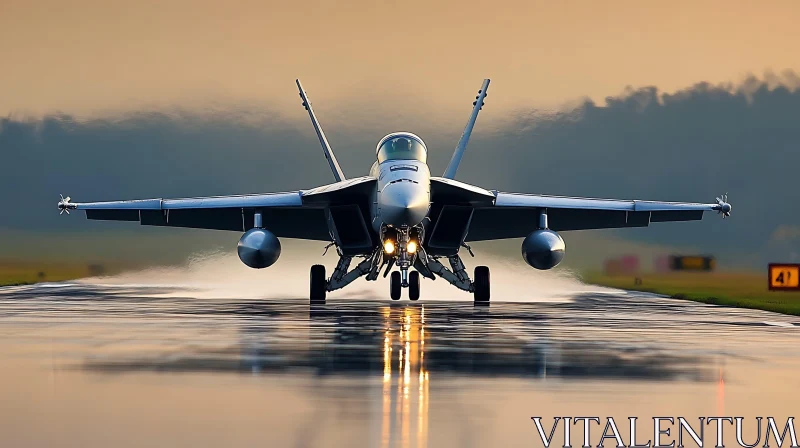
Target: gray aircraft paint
{"x":399,"y":191}
{"x":403,"y":190}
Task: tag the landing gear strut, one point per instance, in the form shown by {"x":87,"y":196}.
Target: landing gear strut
{"x":342,"y":275}
{"x":401,"y":246}
{"x":458,"y":277}
{"x":426,"y":265}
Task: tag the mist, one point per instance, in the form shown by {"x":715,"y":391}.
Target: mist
{"x":220,"y":274}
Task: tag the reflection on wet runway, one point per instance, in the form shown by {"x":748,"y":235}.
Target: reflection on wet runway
{"x":372,"y":373}
{"x":404,"y":412}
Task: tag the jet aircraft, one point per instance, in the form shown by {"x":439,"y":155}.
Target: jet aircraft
{"x":398,"y":216}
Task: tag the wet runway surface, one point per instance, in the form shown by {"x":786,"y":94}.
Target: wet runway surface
{"x":115,"y":365}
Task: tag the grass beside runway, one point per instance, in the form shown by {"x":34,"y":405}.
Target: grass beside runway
{"x":742,"y":290}
{"x":26,"y":273}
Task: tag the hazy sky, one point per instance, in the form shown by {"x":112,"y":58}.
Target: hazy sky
{"x":691,"y":146}
{"x":94,"y":56}
{"x":376,"y":67}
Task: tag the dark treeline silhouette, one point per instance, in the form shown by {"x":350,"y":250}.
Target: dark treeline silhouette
{"x":691,"y":145}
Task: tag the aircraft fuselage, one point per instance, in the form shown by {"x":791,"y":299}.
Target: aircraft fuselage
{"x":402,"y":196}
{"x":407,"y":235}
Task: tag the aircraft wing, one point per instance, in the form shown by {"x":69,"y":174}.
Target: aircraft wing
{"x":296,"y":214}
{"x":514,"y":215}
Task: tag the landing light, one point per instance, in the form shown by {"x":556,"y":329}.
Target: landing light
{"x":388,"y":247}
{"x":412,"y":247}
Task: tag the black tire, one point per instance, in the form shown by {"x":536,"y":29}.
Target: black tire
{"x":318,"y":284}
{"x":394,"y":285}
{"x":413,"y":285}
{"x":481,"y":283}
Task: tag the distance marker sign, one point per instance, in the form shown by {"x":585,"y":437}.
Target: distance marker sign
{"x":784,"y":277}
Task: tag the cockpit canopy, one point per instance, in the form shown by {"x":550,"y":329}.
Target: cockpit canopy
{"x":402,"y":146}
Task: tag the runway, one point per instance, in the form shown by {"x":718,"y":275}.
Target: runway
{"x":113,"y":365}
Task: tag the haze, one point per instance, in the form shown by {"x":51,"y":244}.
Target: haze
{"x":89,"y":56}
{"x":121,"y":100}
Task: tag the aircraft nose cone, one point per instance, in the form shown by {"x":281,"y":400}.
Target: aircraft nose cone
{"x":403,"y":203}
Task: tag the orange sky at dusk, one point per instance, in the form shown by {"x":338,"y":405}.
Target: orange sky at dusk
{"x":94,"y":56}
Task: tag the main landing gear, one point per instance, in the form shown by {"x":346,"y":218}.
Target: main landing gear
{"x":319,"y":284}
{"x":481,"y":285}
{"x":456,"y":275}
{"x":401,"y":248}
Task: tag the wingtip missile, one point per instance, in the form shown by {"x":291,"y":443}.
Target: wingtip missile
{"x":64,"y":205}
{"x":723,"y":207}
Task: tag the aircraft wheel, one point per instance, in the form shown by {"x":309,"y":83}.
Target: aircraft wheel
{"x":481,"y":282}
{"x":318,"y":284}
{"x":413,"y":285}
{"x":394,"y":285}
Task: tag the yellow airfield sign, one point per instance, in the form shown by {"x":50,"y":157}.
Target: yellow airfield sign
{"x":784,"y":277}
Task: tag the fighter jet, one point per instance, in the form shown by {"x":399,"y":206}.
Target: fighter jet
{"x":398,"y":219}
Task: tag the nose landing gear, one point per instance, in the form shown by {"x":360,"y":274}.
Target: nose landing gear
{"x":413,"y":286}
{"x":401,"y":246}
{"x":396,"y":285}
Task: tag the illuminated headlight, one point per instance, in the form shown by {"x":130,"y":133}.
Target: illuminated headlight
{"x":411,"y":247}
{"x":388,"y":247}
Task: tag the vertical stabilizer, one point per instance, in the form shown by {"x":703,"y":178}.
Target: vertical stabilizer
{"x":326,"y":147}
{"x":450,"y":172}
